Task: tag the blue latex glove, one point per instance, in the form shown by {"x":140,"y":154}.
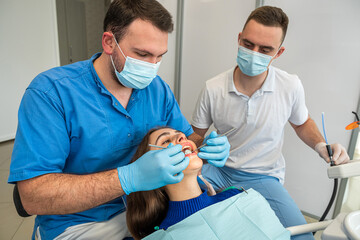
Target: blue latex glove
{"x":217,"y":150}
{"x":153,"y":170}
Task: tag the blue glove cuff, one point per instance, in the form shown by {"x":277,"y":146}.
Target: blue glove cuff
{"x":123,"y":174}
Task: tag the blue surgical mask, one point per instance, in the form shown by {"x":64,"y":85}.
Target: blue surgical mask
{"x":252,"y":63}
{"x":136,"y":74}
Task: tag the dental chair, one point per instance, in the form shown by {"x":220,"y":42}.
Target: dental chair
{"x":345,"y":225}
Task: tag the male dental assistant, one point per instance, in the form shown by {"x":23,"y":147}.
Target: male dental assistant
{"x":80,"y":124}
{"x":258,"y":100}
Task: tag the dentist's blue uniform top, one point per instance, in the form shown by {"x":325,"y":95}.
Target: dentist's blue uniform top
{"x":70,"y":123}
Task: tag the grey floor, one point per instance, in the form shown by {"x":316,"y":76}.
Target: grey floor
{"x":13,"y":227}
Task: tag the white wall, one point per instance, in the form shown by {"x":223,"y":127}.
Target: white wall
{"x":210,"y":32}
{"x":28,"y":46}
{"x":167,"y":67}
{"x":322,"y":48}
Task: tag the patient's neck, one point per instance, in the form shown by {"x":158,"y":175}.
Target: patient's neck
{"x":187,"y":189}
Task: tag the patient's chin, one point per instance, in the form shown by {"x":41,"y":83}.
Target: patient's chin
{"x":194,"y":164}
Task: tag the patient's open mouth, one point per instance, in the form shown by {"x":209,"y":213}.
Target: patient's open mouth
{"x":187,"y":149}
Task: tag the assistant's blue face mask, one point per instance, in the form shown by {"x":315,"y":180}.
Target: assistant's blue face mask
{"x":136,"y":74}
{"x":252,"y":63}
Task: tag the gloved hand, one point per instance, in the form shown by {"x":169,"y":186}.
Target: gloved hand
{"x":340,"y":155}
{"x":217,"y":150}
{"x":153,"y":170}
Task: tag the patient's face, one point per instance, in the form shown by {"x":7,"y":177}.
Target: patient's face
{"x":163,"y":137}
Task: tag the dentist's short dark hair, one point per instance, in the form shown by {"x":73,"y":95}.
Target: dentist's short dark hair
{"x":122,"y":13}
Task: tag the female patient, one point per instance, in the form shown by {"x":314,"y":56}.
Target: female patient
{"x":164,"y":207}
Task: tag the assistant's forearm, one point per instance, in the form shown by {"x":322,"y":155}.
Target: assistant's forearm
{"x":58,"y":193}
{"x":196,"y":138}
{"x":309,"y":133}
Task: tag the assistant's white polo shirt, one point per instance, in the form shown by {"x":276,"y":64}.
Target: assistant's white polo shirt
{"x":260,"y":119}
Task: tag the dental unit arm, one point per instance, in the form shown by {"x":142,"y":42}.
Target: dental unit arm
{"x":351,"y":169}
{"x":345,"y":225}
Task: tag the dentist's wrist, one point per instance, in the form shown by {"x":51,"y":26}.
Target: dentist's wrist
{"x":124,"y":178}
{"x":319,"y":146}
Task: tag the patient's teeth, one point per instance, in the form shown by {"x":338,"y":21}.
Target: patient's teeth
{"x":187,"y":151}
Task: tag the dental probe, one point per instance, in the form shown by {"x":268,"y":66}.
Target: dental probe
{"x":224,"y":134}
{"x":151,"y":145}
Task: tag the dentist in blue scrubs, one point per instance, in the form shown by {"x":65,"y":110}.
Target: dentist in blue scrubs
{"x":80,"y":124}
{"x":258,"y":100}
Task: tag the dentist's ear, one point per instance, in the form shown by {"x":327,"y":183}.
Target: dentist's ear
{"x":108,"y":43}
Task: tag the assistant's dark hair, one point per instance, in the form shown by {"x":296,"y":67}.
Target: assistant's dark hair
{"x":122,"y":13}
{"x":270,"y":16}
{"x":145,"y":209}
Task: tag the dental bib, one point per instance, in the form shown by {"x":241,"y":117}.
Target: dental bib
{"x":243,"y":216}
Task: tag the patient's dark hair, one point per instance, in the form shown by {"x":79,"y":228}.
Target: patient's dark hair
{"x":145,"y":209}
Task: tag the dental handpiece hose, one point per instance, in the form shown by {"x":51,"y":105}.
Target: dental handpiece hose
{"x":328,"y":147}
{"x":332,"y":163}
{"x":333,"y":195}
